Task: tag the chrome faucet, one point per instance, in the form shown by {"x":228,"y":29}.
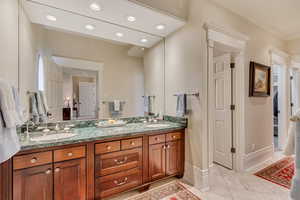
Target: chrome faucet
{"x":27,"y":127}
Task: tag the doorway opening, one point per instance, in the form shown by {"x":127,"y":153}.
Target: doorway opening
{"x":277,"y":95}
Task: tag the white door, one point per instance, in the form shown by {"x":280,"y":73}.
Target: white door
{"x":222,"y":116}
{"x":87,"y":99}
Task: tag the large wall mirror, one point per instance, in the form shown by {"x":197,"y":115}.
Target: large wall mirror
{"x":75,"y":66}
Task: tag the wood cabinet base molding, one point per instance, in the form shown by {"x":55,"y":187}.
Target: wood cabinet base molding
{"x":93,"y":170}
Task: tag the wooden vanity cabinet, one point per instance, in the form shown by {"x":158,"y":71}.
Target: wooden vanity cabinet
{"x":34,"y":183}
{"x":166,"y":155}
{"x":63,"y":180}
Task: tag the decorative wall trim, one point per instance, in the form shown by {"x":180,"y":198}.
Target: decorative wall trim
{"x":257,"y":158}
{"x":196,"y":177}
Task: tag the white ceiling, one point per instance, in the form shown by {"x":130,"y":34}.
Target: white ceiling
{"x":74,"y":15}
{"x":281,"y":17}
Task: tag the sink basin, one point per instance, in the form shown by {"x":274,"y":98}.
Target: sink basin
{"x":157,"y":125}
{"x":57,"y":136}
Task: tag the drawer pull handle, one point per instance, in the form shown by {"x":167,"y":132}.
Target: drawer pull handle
{"x":57,"y":169}
{"x":120,"y":162}
{"x":33,"y":160}
{"x":70,"y":154}
{"x":132,"y":143}
{"x":121,"y":183}
{"x":48,"y":171}
{"x":108,"y":147}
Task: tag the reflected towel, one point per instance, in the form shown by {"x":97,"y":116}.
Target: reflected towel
{"x":33,"y":109}
{"x":181,"y":108}
{"x":19,"y":108}
{"x":40,"y":108}
{"x":149,"y":104}
{"x":117,"y":105}
{"x":44,"y":101}
{"x":289,"y":148}
{"x":295,"y":191}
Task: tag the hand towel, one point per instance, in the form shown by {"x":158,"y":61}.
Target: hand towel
{"x":40,"y":108}
{"x":295,"y":191}
{"x":44,"y":101}
{"x":289,"y":148}
{"x":149,"y":104}
{"x":117,"y":105}
{"x":9,"y":119}
{"x":8,"y":106}
{"x":181,"y":108}
{"x":33,"y":109}
{"x":19,"y":108}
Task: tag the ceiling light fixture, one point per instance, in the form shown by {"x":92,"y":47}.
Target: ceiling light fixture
{"x":95,"y":7}
{"x":131,"y":19}
{"x":119,"y":34}
{"x":144,"y":40}
{"x":89,"y":27}
{"x":160,"y":27}
{"x":51,"y":18}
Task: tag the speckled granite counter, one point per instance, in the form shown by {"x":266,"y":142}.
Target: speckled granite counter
{"x":88,"y":134}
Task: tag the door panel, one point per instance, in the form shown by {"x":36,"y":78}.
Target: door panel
{"x":70,"y":180}
{"x":87,"y":99}
{"x":222,"y":124}
{"x":157,"y":161}
{"x":34,"y":183}
{"x":174,"y":157}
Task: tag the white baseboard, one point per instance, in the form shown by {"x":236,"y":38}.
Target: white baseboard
{"x":196,"y":177}
{"x":255,"y":159}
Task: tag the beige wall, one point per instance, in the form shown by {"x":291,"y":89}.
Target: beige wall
{"x":9,"y":41}
{"x":154,"y":75}
{"x":294,"y":47}
{"x":186,"y":60}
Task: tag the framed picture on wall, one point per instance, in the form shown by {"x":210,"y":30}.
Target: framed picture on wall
{"x":260,"y":80}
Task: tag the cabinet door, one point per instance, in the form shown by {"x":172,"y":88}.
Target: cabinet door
{"x":157,"y":161}
{"x":34,"y":183}
{"x":70,"y":180}
{"x":174,"y":157}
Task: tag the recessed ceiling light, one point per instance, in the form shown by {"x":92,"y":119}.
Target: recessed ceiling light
{"x":160,"y":27}
{"x":119,"y":34}
{"x":131,"y":18}
{"x":89,"y":27}
{"x":144,"y":40}
{"x":51,"y":18}
{"x":95,"y":7}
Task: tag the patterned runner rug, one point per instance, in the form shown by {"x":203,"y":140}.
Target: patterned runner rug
{"x":172,"y":191}
{"x":281,"y":172}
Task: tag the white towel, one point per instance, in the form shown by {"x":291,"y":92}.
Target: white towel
{"x":289,"y":148}
{"x":117,"y":105}
{"x":8,"y":106}
{"x":295,"y":191}
{"x":41,"y":108}
{"x":44,"y":101}
{"x":19,"y":108}
{"x":9,"y":119}
{"x":181,"y":107}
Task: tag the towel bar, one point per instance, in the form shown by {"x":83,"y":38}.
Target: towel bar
{"x":193,"y":94}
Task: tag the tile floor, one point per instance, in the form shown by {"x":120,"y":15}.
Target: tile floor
{"x":230,"y":185}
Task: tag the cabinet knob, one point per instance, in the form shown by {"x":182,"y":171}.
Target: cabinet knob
{"x":70,"y":154}
{"x":48,"y":171}
{"x":132,"y":143}
{"x":33,"y":160}
{"x":174,"y":137}
{"x":164,"y":146}
{"x":108,"y":147}
{"x":156,"y":138}
{"x":57,"y":169}
{"x":168,"y":146}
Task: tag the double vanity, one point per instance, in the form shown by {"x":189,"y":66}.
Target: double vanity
{"x":95,"y":163}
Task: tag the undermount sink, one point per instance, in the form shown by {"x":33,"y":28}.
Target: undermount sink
{"x":157,"y":125}
{"x":57,"y":136}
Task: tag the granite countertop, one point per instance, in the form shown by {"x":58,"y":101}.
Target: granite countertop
{"x":94,"y":133}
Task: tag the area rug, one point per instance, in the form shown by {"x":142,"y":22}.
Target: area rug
{"x":281,"y":172}
{"x":172,"y":191}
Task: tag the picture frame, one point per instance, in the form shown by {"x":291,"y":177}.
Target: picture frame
{"x":260,"y":80}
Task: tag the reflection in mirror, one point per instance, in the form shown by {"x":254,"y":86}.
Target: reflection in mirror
{"x":74,"y":76}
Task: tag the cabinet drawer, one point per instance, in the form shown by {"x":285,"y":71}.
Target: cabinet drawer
{"x":32,"y":160}
{"x":174,"y":136}
{"x":118,"y":161}
{"x":156,"y":139}
{"x":116,"y":183}
{"x":131,"y":143}
{"x":69,"y":153}
{"x":108,"y":147}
